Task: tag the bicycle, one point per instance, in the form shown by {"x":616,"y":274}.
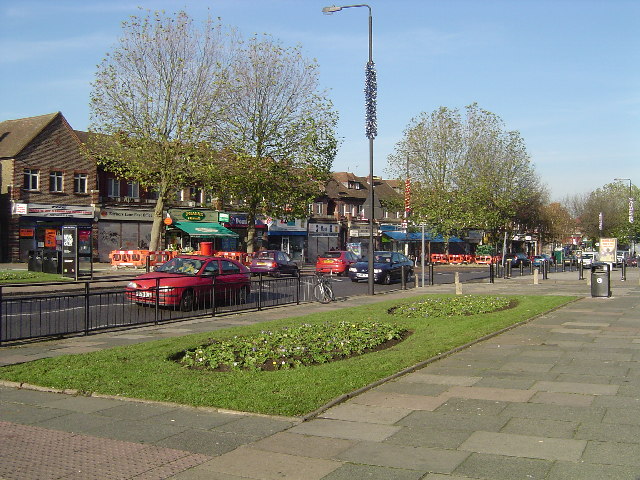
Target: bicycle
{"x":323,"y":291}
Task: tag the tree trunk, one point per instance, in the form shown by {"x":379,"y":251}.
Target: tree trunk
{"x":158,"y":223}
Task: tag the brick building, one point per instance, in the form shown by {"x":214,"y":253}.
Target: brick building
{"x":46,"y":182}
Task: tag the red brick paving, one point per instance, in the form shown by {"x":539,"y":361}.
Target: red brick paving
{"x":35,"y":453}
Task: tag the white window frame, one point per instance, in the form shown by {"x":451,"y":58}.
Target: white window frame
{"x":56,"y":181}
{"x":133,"y":189}
{"x":113,"y":187}
{"x":80,"y":181}
{"x":31,"y":180}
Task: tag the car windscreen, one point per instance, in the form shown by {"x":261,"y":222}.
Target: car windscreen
{"x":330,"y":255}
{"x":383,"y":258}
{"x":184,"y":266}
{"x":267,"y":255}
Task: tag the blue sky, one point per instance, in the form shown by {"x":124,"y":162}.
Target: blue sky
{"x":564,"y":73}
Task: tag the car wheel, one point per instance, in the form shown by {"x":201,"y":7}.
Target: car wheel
{"x":387,"y":279}
{"x":296,"y":273}
{"x":275,"y":274}
{"x":187,"y":301}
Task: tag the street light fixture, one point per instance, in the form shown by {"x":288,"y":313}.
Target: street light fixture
{"x":371,"y":129}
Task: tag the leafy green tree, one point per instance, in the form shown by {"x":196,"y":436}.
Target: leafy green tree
{"x":556,"y":224}
{"x":277,"y":132}
{"x":612,"y":200}
{"x":467,"y":171}
{"x":155,"y":99}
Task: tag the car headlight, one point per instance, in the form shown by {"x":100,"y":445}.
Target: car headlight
{"x":353,"y":269}
{"x":377,"y":270}
{"x":132,"y":285}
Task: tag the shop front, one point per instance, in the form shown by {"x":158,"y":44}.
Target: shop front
{"x":322,"y":237}
{"x":40,"y":226}
{"x":188,"y":229}
{"x":238,"y":223}
{"x":289,"y":237}
{"x":123,"y":229}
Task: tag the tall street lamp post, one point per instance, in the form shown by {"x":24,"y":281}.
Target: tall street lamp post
{"x":370,"y":91}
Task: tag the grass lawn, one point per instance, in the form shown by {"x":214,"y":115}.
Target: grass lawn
{"x":24,"y":276}
{"x":146,"y":371}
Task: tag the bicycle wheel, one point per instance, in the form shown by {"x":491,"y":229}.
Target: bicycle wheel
{"x":321,"y":294}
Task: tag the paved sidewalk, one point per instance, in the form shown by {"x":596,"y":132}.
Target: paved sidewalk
{"x":557,"y":398}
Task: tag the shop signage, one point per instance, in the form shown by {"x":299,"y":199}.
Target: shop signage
{"x":74,"y":211}
{"x":126,"y":214}
{"x":193,"y":215}
{"x":359,"y":232}
{"x":287,"y":226}
{"x":27,"y":232}
{"x":50,"y":238}
{"x":19,"y":209}
{"x":240,"y":221}
{"x":223,"y":217}
{"x":323,"y":229}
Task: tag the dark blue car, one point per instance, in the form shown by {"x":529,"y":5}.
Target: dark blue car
{"x":387,"y":268}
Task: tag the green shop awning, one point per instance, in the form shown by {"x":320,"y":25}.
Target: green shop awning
{"x":205,"y":229}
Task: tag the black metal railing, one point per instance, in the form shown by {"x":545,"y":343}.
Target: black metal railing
{"x":57,"y":309}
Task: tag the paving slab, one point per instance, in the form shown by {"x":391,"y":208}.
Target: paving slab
{"x":402,"y":401}
{"x":350,"y":471}
{"x":526,"y":446}
{"x":303,"y":445}
{"x":346,"y":430}
{"x":259,"y":464}
{"x":424,"y":459}
{"x":500,"y":467}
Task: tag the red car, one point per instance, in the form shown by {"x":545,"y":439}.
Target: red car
{"x":187,"y":282}
{"x":337,"y":262}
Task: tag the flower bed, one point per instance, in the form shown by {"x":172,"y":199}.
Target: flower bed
{"x":294,"y":346}
{"x":452,"y":306}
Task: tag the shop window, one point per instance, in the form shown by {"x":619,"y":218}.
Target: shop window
{"x":80,"y":183}
{"x":113,"y":188}
{"x":31,"y":179}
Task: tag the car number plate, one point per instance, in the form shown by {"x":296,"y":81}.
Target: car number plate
{"x":362,"y":275}
{"x":143,"y":294}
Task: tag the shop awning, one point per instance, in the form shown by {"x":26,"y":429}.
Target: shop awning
{"x":205,"y":229}
{"x":417,"y":237}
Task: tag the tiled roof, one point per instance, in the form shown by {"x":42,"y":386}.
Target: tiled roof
{"x":337,"y":187}
{"x":15,"y":135}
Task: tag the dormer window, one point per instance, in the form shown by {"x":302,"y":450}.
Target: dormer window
{"x":354,"y":185}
